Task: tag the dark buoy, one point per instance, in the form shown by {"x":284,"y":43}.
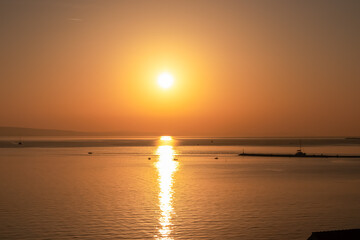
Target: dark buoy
{"x":149,"y":158}
{"x":216,"y":158}
{"x":90,"y":153}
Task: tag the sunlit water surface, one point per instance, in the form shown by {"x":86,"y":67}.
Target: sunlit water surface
{"x":180,"y":193}
{"x":166,"y":166}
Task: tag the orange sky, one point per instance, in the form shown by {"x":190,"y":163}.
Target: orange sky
{"x":242,"y":68}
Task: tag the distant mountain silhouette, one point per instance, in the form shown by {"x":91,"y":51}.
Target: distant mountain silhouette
{"x":20,"y":131}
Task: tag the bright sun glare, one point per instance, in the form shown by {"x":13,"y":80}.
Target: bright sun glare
{"x":165,"y":138}
{"x":165,"y":80}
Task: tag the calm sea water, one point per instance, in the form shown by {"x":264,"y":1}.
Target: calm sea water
{"x":182,"y":192}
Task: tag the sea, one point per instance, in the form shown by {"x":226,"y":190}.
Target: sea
{"x":176,"y":188}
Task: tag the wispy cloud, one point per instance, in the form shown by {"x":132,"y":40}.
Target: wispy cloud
{"x":75,"y":19}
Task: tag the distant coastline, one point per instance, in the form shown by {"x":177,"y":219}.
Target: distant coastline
{"x":21,"y":132}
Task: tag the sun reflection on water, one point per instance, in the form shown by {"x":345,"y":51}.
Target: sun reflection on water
{"x":166,"y":167}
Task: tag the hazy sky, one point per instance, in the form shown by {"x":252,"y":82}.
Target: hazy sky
{"x":242,"y":68}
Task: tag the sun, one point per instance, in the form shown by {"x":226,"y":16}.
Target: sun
{"x":165,"y":80}
{"x":165,"y":138}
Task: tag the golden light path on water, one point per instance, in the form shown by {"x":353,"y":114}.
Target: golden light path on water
{"x":166,"y":166}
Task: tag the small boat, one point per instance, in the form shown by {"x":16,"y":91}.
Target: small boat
{"x":90,"y":153}
{"x":300,"y":153}
{"x":216,"y":158}
{"x":175,"y":159}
